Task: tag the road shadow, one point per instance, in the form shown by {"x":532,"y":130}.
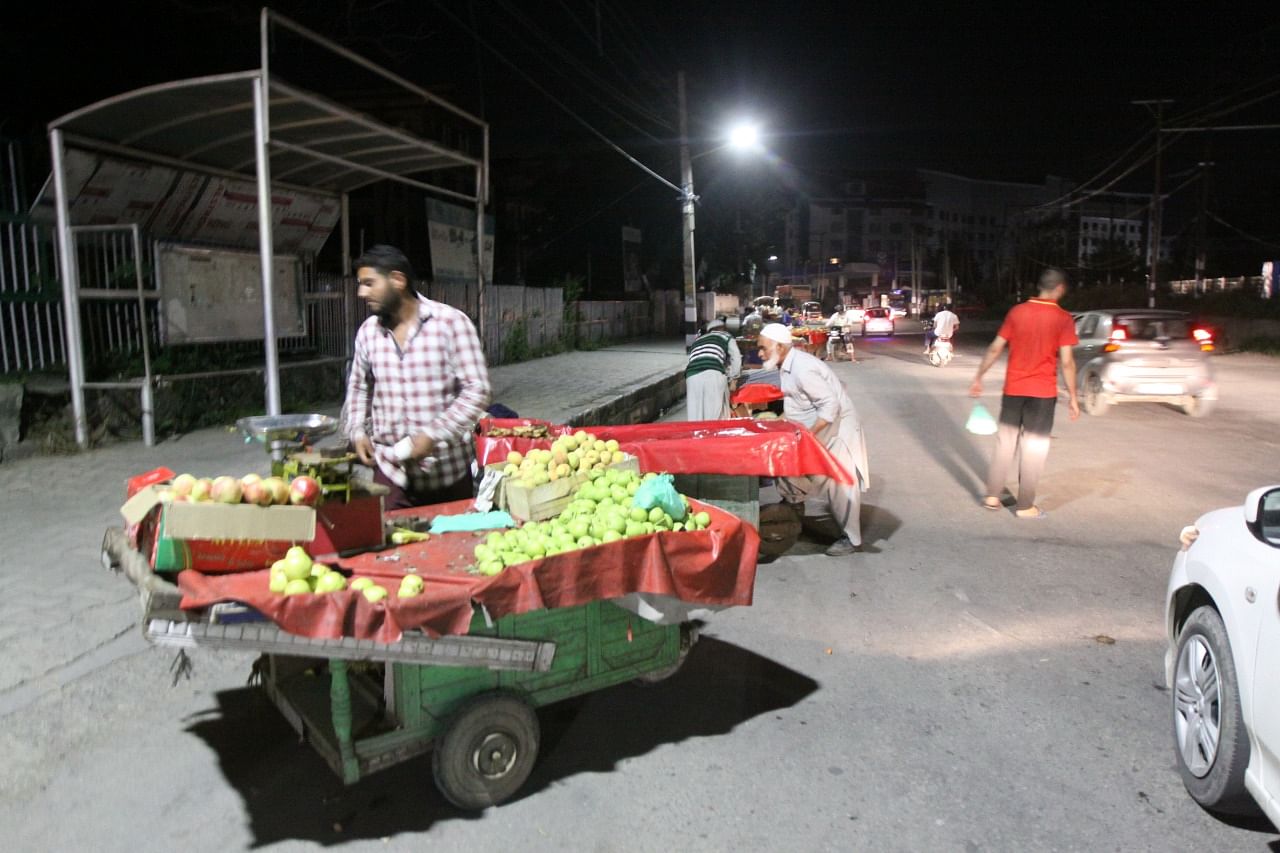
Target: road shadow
{"x":290,"y":793}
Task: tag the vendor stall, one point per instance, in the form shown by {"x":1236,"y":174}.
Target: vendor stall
{"x":480,"y":633}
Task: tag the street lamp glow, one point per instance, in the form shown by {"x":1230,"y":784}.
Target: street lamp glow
{"x":773,"y":257}
{"x":744,"y":136}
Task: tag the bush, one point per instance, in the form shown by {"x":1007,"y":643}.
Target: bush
{"x":1265,"y":344}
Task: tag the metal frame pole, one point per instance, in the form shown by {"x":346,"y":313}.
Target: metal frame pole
{"x":69,"y":269}
{"x":266,"y":240}
{"x":481,"y":325}
{"x":344,"y":216}
{"x":148,"y":407}
{"x":687,"y":199}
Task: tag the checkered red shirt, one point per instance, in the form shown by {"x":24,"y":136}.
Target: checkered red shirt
{"x":438,"y":385}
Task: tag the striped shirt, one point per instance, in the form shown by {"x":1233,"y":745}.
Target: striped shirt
{"x":438,"y":385}
{"x":714,"y":351}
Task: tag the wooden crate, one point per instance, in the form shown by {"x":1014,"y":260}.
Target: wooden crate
{"x":549,"y":499}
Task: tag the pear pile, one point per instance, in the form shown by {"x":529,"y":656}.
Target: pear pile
{"x":297,"y":574}
{"x":569,"y":456}
{"x":602,"y":510}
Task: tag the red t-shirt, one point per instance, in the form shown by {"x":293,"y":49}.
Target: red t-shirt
{"x":1035,"y":330}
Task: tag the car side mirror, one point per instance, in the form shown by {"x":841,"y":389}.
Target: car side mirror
{"x":1262,"y":514}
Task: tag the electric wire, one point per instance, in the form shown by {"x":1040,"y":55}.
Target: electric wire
{"x":1243,"y":233}
{"x":608,"y":55}
{"x":543,"y":91}
{"x":576,"y":64}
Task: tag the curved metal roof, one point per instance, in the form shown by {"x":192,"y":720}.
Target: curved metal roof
{"x":206,"y":123}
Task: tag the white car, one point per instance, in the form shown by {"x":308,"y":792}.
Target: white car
{"x":1223,"y":661}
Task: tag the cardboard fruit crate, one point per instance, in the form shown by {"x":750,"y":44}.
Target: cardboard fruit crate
{"x":549,"y":499}
{"x":215,"y":537}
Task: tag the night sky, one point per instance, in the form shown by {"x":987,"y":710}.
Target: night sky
{"x":1009,"y":91}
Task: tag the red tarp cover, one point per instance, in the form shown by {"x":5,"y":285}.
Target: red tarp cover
{"x":712,"y":566}
{"x":742,"y":446}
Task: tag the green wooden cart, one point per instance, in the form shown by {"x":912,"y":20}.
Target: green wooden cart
{"x":468,"y":700}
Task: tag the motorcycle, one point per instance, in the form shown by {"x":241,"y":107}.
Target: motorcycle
{"x":941,"y":353}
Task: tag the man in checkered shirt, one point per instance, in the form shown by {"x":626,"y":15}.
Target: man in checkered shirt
{"x":418,"y":386}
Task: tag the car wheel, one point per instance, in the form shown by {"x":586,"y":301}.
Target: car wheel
{"x":1095,"y":399}
{"x":1208,"y":729}
{"x":1198,"y":407}
{"x":487,"y":751}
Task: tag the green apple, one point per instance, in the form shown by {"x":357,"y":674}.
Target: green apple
{"x":611,"y":536}
{"x":703,"y":519}
{"x":279,"y":580}
{"x":297,"y":587}
{"x":361,"y":584}
{"x":330,"y":582}
{"x":374,"y":593}
{"x":677,"y":527}
{"x":297,"y":563}
{"x":656,"y":514}
{"x":490,"y":567}
{"x":634,"y":528}
{"x":586,"y":542}
{"x":319,"y":570}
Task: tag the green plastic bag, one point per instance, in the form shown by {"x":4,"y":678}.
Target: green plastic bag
{"x":660,"y":491}
{"x":980,"y":421}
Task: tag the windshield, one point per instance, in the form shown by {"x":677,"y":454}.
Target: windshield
{"x":877,"y":312}
{"x":1138,"y":328}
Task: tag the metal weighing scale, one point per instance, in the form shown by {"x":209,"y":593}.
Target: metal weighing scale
{"x":295,"y":437}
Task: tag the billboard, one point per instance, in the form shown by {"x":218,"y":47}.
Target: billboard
{"x":452,"y":232}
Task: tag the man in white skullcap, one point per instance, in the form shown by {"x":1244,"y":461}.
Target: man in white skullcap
{"x":714,"y":363}
{"x":815,"y":398}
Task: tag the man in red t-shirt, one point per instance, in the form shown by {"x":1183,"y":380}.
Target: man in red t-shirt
{"x":1039,"y":335}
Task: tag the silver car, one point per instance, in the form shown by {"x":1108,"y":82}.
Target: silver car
{"x":1143,"y":355}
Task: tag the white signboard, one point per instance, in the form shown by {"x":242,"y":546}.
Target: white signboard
{"x":453,"y":243}
{"x":216,"y":295}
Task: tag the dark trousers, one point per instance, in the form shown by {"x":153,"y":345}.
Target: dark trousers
{"x":1025,"y":426}
{"x":407,"y":498}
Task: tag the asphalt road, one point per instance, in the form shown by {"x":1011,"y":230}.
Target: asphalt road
{"x":970,"y":682}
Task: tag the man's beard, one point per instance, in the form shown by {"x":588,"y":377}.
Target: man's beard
{"x":771,"y":362}
{"x":388,"y":314}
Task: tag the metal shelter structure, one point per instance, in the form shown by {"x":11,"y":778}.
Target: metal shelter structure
{"x":253,"y":126}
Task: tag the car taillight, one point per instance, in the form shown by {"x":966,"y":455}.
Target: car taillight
{"x":1204,"y":338}
{"x":1118,"y":335}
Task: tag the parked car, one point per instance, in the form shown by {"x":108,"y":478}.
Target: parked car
{"x":1223,"y":659}
{"x":1143,"y":355}
{"x":856,"y":313}
{"x":877,"y":321}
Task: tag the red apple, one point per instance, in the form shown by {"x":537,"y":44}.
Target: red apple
{"x":201,"y":489}
{"x":226,"y":490}
{"x":278,"y":489}
{"x":304,"y":491}
{"x":182,"y":484}
{"x":256,"y":492}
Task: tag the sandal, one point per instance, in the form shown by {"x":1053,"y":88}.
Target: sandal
{"x":1034,"y":513}
{"x":991,"y":503}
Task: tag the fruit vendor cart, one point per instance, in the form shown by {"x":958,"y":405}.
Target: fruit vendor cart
{"x":459,"y":670}
{"x":719,"y":462}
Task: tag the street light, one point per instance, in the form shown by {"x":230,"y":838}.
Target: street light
{"x":742,"y":136}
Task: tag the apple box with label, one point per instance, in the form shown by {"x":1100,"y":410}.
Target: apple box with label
{"x":215,"y":537}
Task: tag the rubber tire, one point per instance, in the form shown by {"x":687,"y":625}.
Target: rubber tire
{"x":1093,"y":400}
{"x":1198,"y":407}
{"x":453,"y":759}
{"x":935,"y":359}
{"x":1222,"y":789}
{"x":687,"y":638}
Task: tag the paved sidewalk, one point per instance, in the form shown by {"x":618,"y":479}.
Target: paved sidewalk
{"x":62,"y":616}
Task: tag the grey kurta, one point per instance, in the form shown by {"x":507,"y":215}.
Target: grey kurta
{"x":811,"y":391}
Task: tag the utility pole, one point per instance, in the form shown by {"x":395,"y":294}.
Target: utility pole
{"x":1201,"y":230}
{"x":1156,"y":200}
{"x":687,"y":199}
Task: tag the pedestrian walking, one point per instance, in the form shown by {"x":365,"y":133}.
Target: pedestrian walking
{"x":816,"y":399}
{"x":714,"y":363}
{"x":1039,"y":335}
{"x":418,"y":386}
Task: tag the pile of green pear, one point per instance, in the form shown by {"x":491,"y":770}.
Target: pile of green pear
{"x":297,"y":574}
{"x":602,"y":510}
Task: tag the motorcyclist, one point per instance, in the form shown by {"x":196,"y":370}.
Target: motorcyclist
{"x":945,"y":325}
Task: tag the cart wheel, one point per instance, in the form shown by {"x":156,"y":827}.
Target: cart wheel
{"x":487,"y":752}
{"x":688,"y":636}
{"x":779,"y":530}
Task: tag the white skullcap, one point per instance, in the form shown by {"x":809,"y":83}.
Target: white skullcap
{"x":777,"y":332}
